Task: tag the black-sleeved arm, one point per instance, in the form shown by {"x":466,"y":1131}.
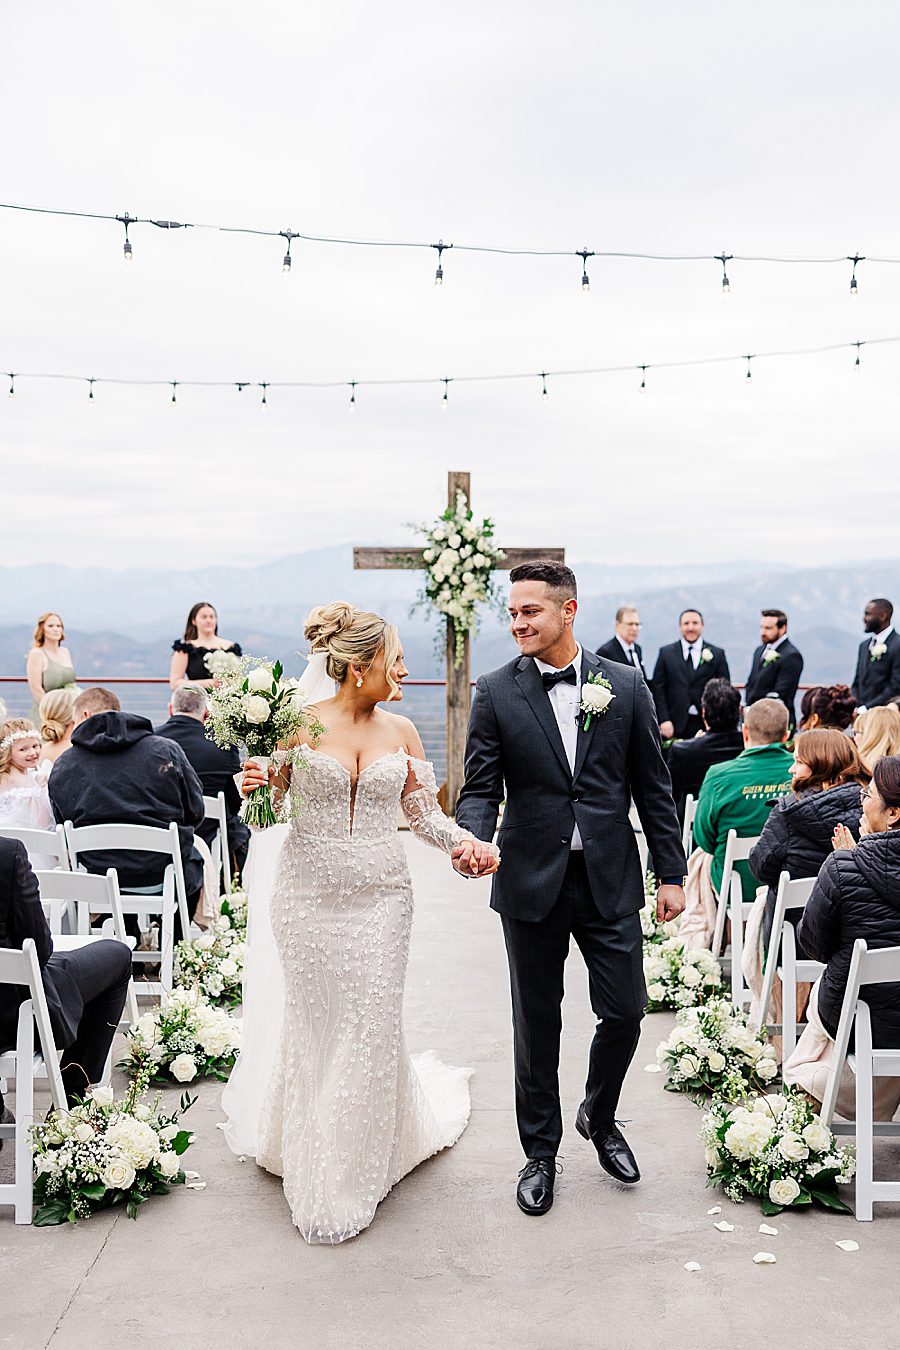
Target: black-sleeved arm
{"x":819,"y":930}
{"x":651,"y":787}
{"x":854,"y":688}
{"x":658,"y":684}
{"x":768,"y":858}
{"x":723,"y":673}
{"x":27,"y":919}
{"x":787,"y":676}
{"x":190,"y":787}
{"x":483,"y":791}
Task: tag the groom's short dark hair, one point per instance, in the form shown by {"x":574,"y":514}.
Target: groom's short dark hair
{"x":553,"y":574}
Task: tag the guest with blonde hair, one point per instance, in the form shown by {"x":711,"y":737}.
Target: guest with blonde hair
{"x":57,"y":714}
{"x":49,"y":664}
{"x":877,"y":733}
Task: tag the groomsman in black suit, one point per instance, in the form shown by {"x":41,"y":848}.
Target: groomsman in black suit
{"x":682,"y":672}
{"x":777,"y":664}
{"x":877,"y":678}
{"x":624,"y":647}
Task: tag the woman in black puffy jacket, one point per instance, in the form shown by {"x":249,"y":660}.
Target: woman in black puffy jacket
{"x":826,"y":777}
{"x":857,"y":895}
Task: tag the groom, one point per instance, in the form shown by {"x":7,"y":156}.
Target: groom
{"x":570,"y":861}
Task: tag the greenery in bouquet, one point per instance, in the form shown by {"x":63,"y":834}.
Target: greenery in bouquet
{"x":713,"y":1050}
{"x":104,"y":1152}
{"x":233,"y":905}
{"x":777,"y":1149}
{"x":254,"y":706}
{"x":653,"y":931}
{"x":213,"y":963}
{"x":460,"y":561}
{"x":183,"y":1039}
{"x":679,"y":977}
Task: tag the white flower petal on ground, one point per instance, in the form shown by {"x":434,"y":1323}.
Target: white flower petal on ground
{"x":692,"y":1266}
{"x":724,"y":1226}
{"x":192,"y":1176}
{"x":769,"y":1232}
{"x":201,"y":1186}
{"x":764,"y":1259}
{"x":847,"y":1245}
{"x":652,"y":1068}
{"x":716,"y":1209}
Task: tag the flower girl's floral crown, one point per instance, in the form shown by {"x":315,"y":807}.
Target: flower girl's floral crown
{"x":17,"y":736}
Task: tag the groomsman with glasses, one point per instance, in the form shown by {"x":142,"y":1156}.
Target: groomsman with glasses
{"x":877,"y":677}
{"x":624,"y":647}
{"x":682,"y":672}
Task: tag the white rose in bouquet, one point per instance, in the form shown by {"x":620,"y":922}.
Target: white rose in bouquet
{"x":256,"y":709}
{"x":103,"y":1096}
{"x":774,"y":1104}
{"x":656,"y":992}
{"x":118,"y":1174}
{"x":716,"y":1061}
{"x":83,"y":1132}
{"x":792,"y":1147}
{"x":183,"y":1068}
{"x":784,"y":1191}
{"x":766,"y":1070}
{"x":259,"y":679}
{"x":228,"y":968}
{"x":690,"y":976}
{"x":169,"y":1164}
{"x":817,"y":1136}
{"x":689,"y":1066}
{"x":454,"y":540}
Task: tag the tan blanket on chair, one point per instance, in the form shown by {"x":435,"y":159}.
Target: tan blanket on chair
{"x":698,"y":922}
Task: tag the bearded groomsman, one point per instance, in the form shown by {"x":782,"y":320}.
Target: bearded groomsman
{"x":878,"y":664}
{"x":682,"y":672}
{"x":777,"y":664}
{"x":624,"y":647}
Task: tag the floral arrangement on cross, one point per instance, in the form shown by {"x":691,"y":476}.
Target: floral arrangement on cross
{"x":460,"y":559}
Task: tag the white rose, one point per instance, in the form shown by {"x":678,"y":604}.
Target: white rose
{"x":228,"y":968}
{"x":818,"y":1138}
{"x":479,"y":561}
{"x":103,"y":1096}
{"x":168,"y":1132}
{"x":439,"y":532}
{"x":256,"y":709}
{"x":118,"y":1174}
{"x":183,"y":1068}
{"x":428,"y":555}
{"x":784,"y":1192}
{"x":792,"y":1147}
{"x":44,"y":1162}
{"x":83,"y":1132}
{"x":145,"y":1027}
{"x":690,"y":976}
{"x":223,"y":923}
{"x":142,"y":1111}
{"x":169,"y":1164}
{"x":596,"y":697}
{"x":766,"y":1069}
{"x":656,"y":992}
{"x":716,"y":1061}
{"x":774,"y":1104}
{"x":205,"y":941}
{"x":455,"y":540}
{"x":259,"y":679}
{"x":689,"y":1066}
{"x":468,"y":577}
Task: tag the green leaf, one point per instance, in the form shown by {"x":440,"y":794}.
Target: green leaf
{"x":769,"y":1208}
{"x":829,"y":1200}
{"x":52,"y":1212}
{"x":181,"y":1142}
{"x":94,"y":1190}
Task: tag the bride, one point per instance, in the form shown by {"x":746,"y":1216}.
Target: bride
{"x":340,"y":1111}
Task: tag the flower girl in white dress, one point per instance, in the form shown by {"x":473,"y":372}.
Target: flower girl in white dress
{"x":345,"y":1113}
{"x":24,"y":800}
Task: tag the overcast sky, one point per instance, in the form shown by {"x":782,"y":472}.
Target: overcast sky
{"x":645,"y":128}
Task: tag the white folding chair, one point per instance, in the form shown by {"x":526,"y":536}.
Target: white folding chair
{"x":21,"y":968}
{"x":161,"y":900}
{"x":84,"y":894}
{"x":736,"y":850}
{"x":878,"y":966}
{"x":687,"y":829}
{"x":215,"y":810}
{"x":42,"y":843}
{"x":790,"y":896}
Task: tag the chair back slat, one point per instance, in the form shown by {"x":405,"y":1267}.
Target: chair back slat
{"x":21,"y":968}
{"x":43,"y":843}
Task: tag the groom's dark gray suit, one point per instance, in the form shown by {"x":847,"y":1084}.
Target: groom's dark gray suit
{"x":546,"y":892}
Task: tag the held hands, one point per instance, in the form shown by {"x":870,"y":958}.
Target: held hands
{"x":472,"y":858}
{"x":842,"y":838}
{"x":669,"y":903}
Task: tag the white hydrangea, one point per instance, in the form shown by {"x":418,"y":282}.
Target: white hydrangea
{"x":133,"y":1139}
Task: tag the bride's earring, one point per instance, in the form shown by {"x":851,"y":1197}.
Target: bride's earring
{"x":359,"y":682}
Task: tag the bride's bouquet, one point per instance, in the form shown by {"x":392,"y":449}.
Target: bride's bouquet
{"x":255,"y":707}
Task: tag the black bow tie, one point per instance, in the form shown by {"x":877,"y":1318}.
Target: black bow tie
{"x":551,"y":678}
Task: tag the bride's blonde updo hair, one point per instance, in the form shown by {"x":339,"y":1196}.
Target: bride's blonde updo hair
{"x":352,"y":636}
{"x":56,"y":711}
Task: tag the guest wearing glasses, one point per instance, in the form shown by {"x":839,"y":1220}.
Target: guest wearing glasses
{"x":624,"y":646}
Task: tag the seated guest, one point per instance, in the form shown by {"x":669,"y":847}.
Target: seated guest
{"x":624,"y":647}
{"x":24,"y":803}
{"x":118,"y":772}
{"x":738,"y":795}
{"x":85,"y":988}
{"x":830,"y":705}
{"x":877,"y":733}
{"x":188,"y":710}
{"x":683,"y":670}
{"x":777,"y":664}
{"x":56,"y":723}
{"x":826,"y":777}
{"x":722,"y":740}
{"x":856,"y":896}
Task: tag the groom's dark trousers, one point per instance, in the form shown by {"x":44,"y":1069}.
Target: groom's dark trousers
{"x":547,"y":893}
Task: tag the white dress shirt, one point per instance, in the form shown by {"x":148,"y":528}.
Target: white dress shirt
{"x":773,"y":646}
{"x":882,"y":636}
{"x":565,"y":700}
{"x":695,"y":662}
{"x":633,"y":658}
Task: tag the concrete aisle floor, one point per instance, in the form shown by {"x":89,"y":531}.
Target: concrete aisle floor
{"x":449,"y":1261}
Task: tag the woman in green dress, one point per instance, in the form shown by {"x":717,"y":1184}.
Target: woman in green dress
{"x":49,"y":664}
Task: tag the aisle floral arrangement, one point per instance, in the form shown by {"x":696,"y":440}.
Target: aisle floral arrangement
{"x":460,"y":560}
{"x":679,"y":978}
{"x":183,"y":1039}
{"x":105,"y":1152}
{"x":255,"y":707}
{"x":713,"y":1050}
{"x":777,"y":1149}
{"x":234,"y":906}
{"x":213,"y":963}
{"x":653,"y":931}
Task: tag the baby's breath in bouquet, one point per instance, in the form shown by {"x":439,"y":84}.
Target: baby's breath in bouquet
{"x":255,"y":707}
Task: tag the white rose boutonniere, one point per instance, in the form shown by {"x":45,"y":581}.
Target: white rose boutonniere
{"x":596,"y":696}
{"x":706,"y":655}
{"x":877,"y":651}
{"x":770,"y":656}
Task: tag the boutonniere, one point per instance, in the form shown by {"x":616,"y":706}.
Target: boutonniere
{"x":877,"y":651}
{"x":596,"y":696}
{"x":770,"y":656}
{"x":706,"y":655}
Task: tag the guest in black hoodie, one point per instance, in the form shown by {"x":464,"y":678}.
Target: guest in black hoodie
{"x":118,"y":772}
{"x":720,"y":708}
{"x":857,"y":895}
{"x":826,"y":777}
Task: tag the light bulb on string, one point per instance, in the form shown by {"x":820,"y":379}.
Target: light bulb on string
{"x":352,"y":395}
{"x":174,"y":384}
{"x":584,"y":254}
{"x":857,"y":345}
{"x":544,"y":394}
{"x":749,"y":378}
{"x":445,"y":401}
{"x":264,"y":386}
{"x":643,"y":370}
{"x":286,"y":260}
{"x":439,"y":274}
{"x":12,"y":384}
{"x":127,"y":220}
{"x":90,"y":391}
{"x":241,"y":385}
{"x":855,"y":260}
{"x":724,"y":258}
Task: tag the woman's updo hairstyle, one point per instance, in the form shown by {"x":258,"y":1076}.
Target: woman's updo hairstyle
{"x":56,"y":711}
{"x":352,"y":637}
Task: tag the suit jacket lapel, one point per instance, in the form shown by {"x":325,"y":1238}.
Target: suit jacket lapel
{"x":528,"y":678}
{"x":590,"y":665}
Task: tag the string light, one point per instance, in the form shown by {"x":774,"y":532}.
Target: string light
{"x":264,"y":386}
{"x":352,"y":394}
{"x":855,"y":260}
{"x":643,"y":370}
{"x":544,"y":395}
{"x":12,"y":384}
{"x":127,"y":220}
{"x":286,"y":261}
{"x":241,"y":385}
{"x":446,"y":400}
{"x":857,"y":345}
{"x":90,"y":391}
{"x":749,"y":379}
{"x":174,"y":384}
{"x":439,"y":274}
{"x":584,"y":254}
{"x":724,"y":258}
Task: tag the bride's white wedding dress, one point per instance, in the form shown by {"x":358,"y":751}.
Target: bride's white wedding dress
{"x":345,"y":1113}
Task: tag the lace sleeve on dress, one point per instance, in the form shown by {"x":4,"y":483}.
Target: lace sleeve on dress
{"x":420,"y":806}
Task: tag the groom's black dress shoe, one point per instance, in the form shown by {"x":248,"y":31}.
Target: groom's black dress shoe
{"x":534,"y":1193}
{"x":612,"y":1148}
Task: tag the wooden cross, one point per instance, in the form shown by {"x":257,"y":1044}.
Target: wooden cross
{"x":458,"y":681}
